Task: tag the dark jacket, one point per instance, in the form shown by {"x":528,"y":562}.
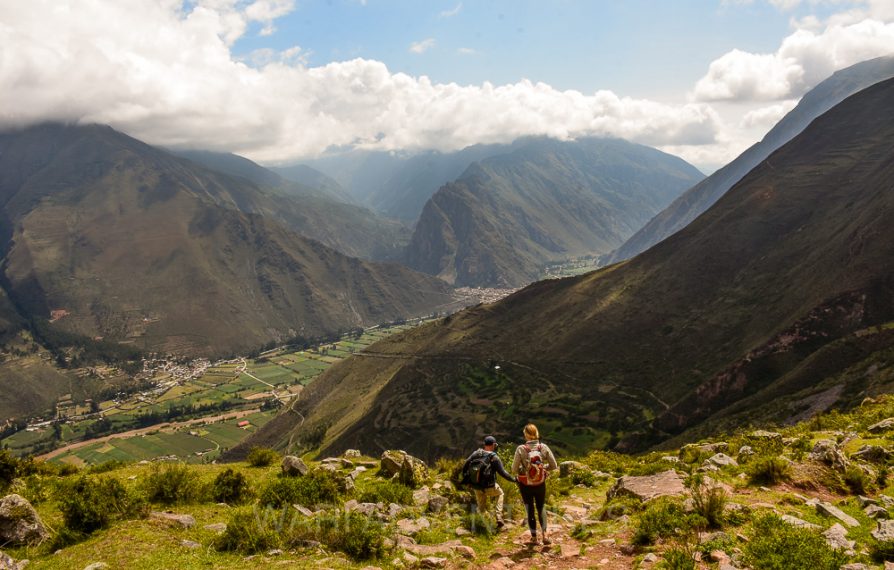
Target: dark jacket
{"x":496,"y":466}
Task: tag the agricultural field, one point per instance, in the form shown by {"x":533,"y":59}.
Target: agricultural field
{"x":237,"y":386}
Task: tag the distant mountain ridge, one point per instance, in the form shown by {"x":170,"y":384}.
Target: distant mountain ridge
{"x":778,"y":301}
{"x":542,"y":200}
{"x":143,"y":247}
{"x":699,"y":198}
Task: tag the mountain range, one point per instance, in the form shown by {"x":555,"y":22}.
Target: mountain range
{"x":700,"y":197}
{"x":129,"y":243}
{"x":778,"y":301}
{"x":542,"y":200}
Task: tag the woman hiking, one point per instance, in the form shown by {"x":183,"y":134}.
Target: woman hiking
{"x":532,"y":463}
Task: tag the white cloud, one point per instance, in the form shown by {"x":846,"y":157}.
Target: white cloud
{"x":422,"y":46}
{"x":765,"y":117}
{"x":451,"y":12}
{"x":804,"y":58}
{"x":466,"y":51}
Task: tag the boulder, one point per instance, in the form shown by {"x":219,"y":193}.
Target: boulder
{"x":745,"y":451}
{"x":765,"y":436}
{"x":391,"y":461}
{"x":882,"y":426}
{"x":433,"y":562}
{"x":566,"y":468}
{"x":884,"y":532}
{"x":830,"y":510}
{"x":876,"y":512}
{"x":216,"y":527}
{"x":799,"y":523}
{"x":666,"y":484}
{"x":368,"y":509}
{"x":721,"y":460}
{"x":836,"y":536}
{"x":421,"y":496}
{"x":828,"y":452}
{"x":437,"y":503}
{"x":412,"y":526}
{"x":293,"y":466}
{"x":872,"y":453}
{"x":352,"y":453}
{"x":413,"y":472}
{"x":173,"y":519}
{"x":19,"y":522}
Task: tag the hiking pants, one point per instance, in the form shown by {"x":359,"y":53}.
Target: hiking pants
{"x":534,"y":496}
{"x":482,"y":495}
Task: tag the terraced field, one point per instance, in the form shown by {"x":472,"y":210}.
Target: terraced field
{"x":226,"y":388}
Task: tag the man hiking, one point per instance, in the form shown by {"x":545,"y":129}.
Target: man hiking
{"x":480,"y":470}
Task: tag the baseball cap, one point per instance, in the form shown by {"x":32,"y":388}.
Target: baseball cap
{"x":490,"y":440}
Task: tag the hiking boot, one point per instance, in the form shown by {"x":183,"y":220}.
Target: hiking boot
{"x":500,"y":525}
{"x":546,"y":540}
{"x":532,"y":541}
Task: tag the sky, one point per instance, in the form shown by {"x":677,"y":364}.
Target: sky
{"x":279,"y":81}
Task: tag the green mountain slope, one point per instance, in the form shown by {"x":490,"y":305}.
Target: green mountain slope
{"x":312,"y":211}
{"x":142,"y":247}
{"x":700,"y":197}
{"x":543,"y":201}
{"x":748,"y":301}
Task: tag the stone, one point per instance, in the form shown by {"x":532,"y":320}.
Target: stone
{"x":466,"y":552}
{"x":410,"y":559}
{"x":836,"y":536}
{"x":884,"y":532}
{"x":97,"y":566}
{"x":800,"y":523}
{"x":608,"y":542}
{"x":216,"y":527}
{"x":391,"y":461}
{"x":745,"y":451}
{"x":828,"y":509}
{"x":173,"y":519}
{"x":650,"y":558}
{"x":437,"y":503}
{"x":866,"y":501}
{"x":274,"y":552}
{"x":828,"y":452}
{"x":20,"y":523}
{"x":433,"y":562}
{"x":876,"y":512}
{"x":293,"y":466}
{"x":421,"y":496}
{"x":7,"y":562}
{"x":881,"y":426}
{"x":412,"y":526}
{"x":303,"y":511}
{"x":666,"y":484}
{"x":767,"y":436}
{"x":718,"y":556}
{"x":352,"y":453}
{"x":872,"y":454}
{"x":191,"y":544}
{"x":888,"y":501}
{"x":460,"y":531}
{"x":368,"y":509}
{"x":393,"y":510}
{"x":855,"y":566}
{"x":357,"y":471}
{"x":566,"y":468}
{"x":413,"y":472}
{"x":404,"y":541}
{"x":721,"y":460}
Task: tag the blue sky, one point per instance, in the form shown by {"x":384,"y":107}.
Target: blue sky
{"x":640,"y":48}
{"x":280,"y":81}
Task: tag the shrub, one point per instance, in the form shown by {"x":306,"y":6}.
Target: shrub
{"x":106,"y":466}
{"x":583,"y":477}
{"x":37,"y":489}
{"x":8,"y":469}
{"x":609,"y":462}
{"x":581,"y":532}
{"x":230,"y":487}
{"x":171,"y":483}
{"x":776,"y":545}
{"x":856,"y":480}
{"x":881,"y":479}
{"x":618,"y":507}
{"x":262,"y":457}
{"x":662,"y":518}
{"x":247,"y":532}
{"x":678,"y":558}
{"x":387,"y":491}
{"x":358,"y":536}
{"x":769,"y":470}
{"x":653,"y":467}
{"x":317,"y":487}
{"x":708,"y":501}
{"x":479,"y":524}
{"x":88,"y":504}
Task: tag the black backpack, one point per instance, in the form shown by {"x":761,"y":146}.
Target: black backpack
{"x":478,"y":470}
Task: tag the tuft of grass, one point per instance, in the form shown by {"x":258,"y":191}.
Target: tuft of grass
{"x":262,"y":457}
{"x":386,"y":491}
{"x":708,"y":501}
{"x":358,"y":536}
{"x":230,"y":487}
{"x":776,"y":545}
{"x":315,"y":488}
{"x":663,"y":518}
{"x":171,"y":483}
{"x":248,"y":532}
{"x":678,"y":558}
{"x":769,"y":470}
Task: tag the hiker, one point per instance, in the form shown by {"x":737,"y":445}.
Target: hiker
{"x":532,"y":463}
{"x":480,"y":471}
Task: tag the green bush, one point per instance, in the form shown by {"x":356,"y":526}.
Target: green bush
{"x":618,"y":507}
{"x":248,"y":532}
{"x":262,"y":457}
{"x":581,"y":532}
{"x":609,"y":462}
{"x":583,"y":477}
{"x":88,"y":504}
{"x":769,"y":470}
{"x":708,"y":501}
{"x":776,"y":545}
{"x":317,"y":487}
{"x":663,"y":518}
{"x":106,"y":466}
{"x":358,"y":536}
{"x":171,"y":483}
{"x":230,"y":487}
{"x":9,"y":466}
{"x":386,"y":491}
{"x":678,"y":558}
{"x":856,"y":480}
